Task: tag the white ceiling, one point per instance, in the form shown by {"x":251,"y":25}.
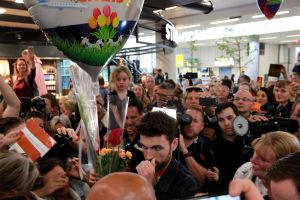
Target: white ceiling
{"x":224,"y":9}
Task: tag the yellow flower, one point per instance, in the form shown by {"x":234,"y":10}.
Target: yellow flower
{"x":128,"y":154}
{"x":101,"y":20}
{"x":122,"y":154}
{"x":116,"y":22}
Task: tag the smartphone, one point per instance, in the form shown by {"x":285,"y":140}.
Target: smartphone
{"x":209,"y":102}
{"x":219,"y":196}
{"x":275,"y":70}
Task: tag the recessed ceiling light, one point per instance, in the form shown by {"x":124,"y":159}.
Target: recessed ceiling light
{"x":157,"y":11}
{"x":287,"y":41}
{"x":278,"y":13}
{"x":2,"y":10}
{"x":293,"y":35}
{"x":171,"y":8}
{"x":267,"y":38}
{"x":19,"y":1}
{"x":189,"y":26}
{"x":225,"y":21}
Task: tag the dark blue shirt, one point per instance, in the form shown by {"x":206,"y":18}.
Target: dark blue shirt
{"x":176,"y":182}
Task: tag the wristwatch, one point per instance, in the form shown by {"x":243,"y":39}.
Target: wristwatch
{"x":188,"y":154}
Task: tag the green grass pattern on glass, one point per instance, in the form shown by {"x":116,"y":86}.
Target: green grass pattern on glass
{"x":105,"y":33}
{"x":91,"y":56}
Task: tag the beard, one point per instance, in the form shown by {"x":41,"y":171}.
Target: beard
{"x":163,"y":164}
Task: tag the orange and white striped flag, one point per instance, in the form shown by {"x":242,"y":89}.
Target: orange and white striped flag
{"x":35,"y":142}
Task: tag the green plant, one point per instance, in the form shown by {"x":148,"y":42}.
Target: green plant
{"x":237,"y":49}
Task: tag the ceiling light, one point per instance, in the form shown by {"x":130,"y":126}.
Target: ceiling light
{"x":140,"y":34}
{"x":267,"y":38}
{"x":189,"y":26}
{"x":287,"y":41}
{"x":278,"y":13}
{"x":2,"y":10}
{"x":19,"y":1}
{"x":171,"y":8}
{"x":225,"y":21}
{"x":157,"y":11}
{"x":293,"y":35}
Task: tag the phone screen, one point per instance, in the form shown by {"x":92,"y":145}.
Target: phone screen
{"x":219,"y":197}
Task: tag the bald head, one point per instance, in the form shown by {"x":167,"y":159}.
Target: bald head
{"x":243,"y":100}
{"x":122,"y":186}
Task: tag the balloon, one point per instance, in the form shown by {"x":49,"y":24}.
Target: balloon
{"x":90,"y":32}
{"x":269,"y":7}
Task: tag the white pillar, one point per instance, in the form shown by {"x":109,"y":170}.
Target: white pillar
{"x":167,"y":62}
{"x":252,"y":67}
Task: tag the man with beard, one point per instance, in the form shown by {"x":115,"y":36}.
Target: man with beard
{"x":158,"y":141}
{"x":194,"y":149}
{"x":131,"y":136}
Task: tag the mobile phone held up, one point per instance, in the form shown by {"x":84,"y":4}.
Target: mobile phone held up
{"x":209,"y":102}
{"x":218,"y":196}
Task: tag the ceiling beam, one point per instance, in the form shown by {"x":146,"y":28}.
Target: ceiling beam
{"x":13,"y":5}
{"x":15,"y":18}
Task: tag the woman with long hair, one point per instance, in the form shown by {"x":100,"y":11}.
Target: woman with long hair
{"x":24,"y":83}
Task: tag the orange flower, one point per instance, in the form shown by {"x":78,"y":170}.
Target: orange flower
{"x":92,"y":23}
{"x":129,"y":154}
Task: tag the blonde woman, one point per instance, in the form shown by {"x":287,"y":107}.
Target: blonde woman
{"x":141,"y":95}
{"x":267,"y":149}
{"x":24,"y":83}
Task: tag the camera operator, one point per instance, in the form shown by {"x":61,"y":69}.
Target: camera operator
{"x":165,"y":97}
{"x":194,"y":149}
{"x":227,"y":147}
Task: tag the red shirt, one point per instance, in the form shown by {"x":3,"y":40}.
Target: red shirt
{"x":22,"y":89}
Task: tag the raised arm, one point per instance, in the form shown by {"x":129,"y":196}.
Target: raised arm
{"x":11,"y":99}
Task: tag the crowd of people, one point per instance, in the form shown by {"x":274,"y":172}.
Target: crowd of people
{"x":200,"y":152}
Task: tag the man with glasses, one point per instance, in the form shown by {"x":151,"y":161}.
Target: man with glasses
{"x":244,"y":102}
{"x":158,"y":141}
{"x":165,"y":93}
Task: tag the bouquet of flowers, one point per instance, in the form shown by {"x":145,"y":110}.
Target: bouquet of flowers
{"x":106,"y":160}
{"x":113,"y":160}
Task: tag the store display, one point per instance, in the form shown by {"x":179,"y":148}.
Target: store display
{"x":50,"y":78}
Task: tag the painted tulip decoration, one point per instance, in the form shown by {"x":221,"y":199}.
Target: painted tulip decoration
{"x":269,"y":7}
{"x":91,"y":33}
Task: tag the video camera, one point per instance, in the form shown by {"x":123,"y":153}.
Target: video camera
{"x":255,"y":129}
{"x":182,"y":119}
{"x":62,"y":139}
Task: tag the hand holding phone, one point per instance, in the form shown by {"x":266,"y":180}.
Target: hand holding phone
{"x":209,"y":102}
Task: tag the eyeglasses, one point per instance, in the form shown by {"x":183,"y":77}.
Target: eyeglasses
{"x":243,"y":99}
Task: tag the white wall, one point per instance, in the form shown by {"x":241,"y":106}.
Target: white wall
{"x":270,"y":56}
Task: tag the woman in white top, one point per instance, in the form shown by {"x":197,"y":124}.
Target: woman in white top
{"x":267,"y":149}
